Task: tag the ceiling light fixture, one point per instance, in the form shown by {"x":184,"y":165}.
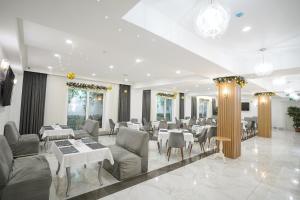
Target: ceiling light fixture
{"x":126,"y":79}
{"x":246,"y":28}
{"x":119,"y":29}
{"x":138,"y":36}
{"x":93,"y":74}
{"x":212,"y":21}
{"x":57,"y":55}
{"x":178,"y":72}
{"x":69,"y":41}
{"x":111,"y":66}
{"x":4,"y":64}
{"x":263,"y":68}
{"x":50,"y":67}
{"x":138,"y":60}
{"x":148,"y":74}
{"x":105,"y":17}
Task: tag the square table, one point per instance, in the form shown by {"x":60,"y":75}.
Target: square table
{"x":70,"y":153}
{"x":55,"y":131}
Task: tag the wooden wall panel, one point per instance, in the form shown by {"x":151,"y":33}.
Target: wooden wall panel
{"x":229,"y":117}
{"x":264,"y":116}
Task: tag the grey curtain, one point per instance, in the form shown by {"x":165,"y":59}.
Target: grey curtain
{"x":146,"y":111}
{"x":33,"y":102}
{"x":124,"y":103}
{"x":194,"y":108}
{"x":181,"y":105}
{"x":214,"y":107}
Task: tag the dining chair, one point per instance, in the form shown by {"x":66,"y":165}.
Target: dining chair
{"x":211,"y":133}
{"x":202,"y":137}
{"x":123,"y":124}
{"x":112,"y":126}
{"x":178,"y":123}
{"x":163,"y":125}
{"x":134,"y":120}
{"x":176,"y":140}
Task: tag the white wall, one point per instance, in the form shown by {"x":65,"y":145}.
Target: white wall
{"x":252,"y":105}
{"x":136,"y":103}
{"x":56,"y":105}
{"x":12,"y":112}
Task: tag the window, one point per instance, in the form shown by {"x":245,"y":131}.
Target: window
{"x":203,"y":107}
{"x":164,"y":108}
{"x":84,"y":104}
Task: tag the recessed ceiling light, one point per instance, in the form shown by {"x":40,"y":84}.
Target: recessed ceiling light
{"x":56,"y":55}
{"x":178,"y":72}
{"x":69,"y":41}
{"x":105,"y":17}
{"x":138,"y":36}
{"x":93,"y":74}
{"x":138,"y":60}
{"x":98,"y":1}
{"x":119,"y":29}
{"x":246,"y":28}
{"x":148,"y":74}
{"x":126,"y":79}
{"x":50,"y":67}
{"x":111,"y":66}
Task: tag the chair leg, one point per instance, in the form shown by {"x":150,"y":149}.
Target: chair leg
{"x":169,"y":153}
{"x":158,"y":146}
{"x":181,"y":150}
{"x":191,"y":146}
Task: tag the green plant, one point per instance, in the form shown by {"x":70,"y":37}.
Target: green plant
{"x":294,"y":113}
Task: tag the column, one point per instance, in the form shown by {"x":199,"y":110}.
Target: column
{"x":229,"y":113}
{"x":264,"y":114}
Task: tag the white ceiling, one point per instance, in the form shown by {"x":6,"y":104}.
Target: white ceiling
{"x":161,"y":33}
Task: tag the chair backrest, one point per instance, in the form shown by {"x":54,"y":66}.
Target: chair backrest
{"x":178,"y":123}
{"x":176,"y":140}
{"x":123,"y":124}
{"x":111,"y":124}
{"x":135,"y":142}
{"x":212,"y":132}
{"x":11,"y":133}
{"x":92,"y":127}
{"x":6,"y":162}
{"x":202,"y":136}
{"x":187,"y":117}
{"x":172,"y":126}
{"x":134,"y":120}
{"x":144,"y":121}
{"x":163,"y":125}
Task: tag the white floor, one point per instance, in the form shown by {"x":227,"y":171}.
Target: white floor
{"x":267,"y":169}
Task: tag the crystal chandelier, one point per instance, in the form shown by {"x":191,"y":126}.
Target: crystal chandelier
{"x":263,"y":68}
{"x":212,"y":21}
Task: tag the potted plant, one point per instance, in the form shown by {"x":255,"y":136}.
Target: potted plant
{"x":294,"y":113}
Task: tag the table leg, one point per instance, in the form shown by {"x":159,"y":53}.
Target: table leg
{"x":221,"y":150}
{"x":58,"y":168}
{"x":191,"y":146}
{"x":68,"y":169}
{"x":158,"y":146}
{"x":100,"y":173}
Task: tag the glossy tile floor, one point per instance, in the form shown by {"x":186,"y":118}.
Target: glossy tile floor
{"x":267,"y":169}
{"x":85,"y":180}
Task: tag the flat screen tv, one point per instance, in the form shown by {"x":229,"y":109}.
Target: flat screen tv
{"x":245,"y":106}
{"x":6,"y":87}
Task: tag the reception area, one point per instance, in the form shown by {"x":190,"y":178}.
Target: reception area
{"x":149,"y":100}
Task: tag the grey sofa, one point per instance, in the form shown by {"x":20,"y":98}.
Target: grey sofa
{"x":89,"y":129}
{"x":27,"y":178}
{"x":21,"y":145}
{"x":130,"y":154}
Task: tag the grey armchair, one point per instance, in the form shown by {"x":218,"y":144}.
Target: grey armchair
{"x":202,"y":137}
{"x":176,"y":140}
{"x":130,"y":154}
{"x":89,"y":129}
{"x":212,"y":132}
{"x":134,"y":120}
{"x":21,"y":145}
{"x":27,"y":178}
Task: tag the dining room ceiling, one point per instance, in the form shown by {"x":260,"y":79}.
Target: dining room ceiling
{"x":148,"y":42}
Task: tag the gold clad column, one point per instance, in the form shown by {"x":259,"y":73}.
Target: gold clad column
{"x":264,"y":114}
{"x":229,"y":113}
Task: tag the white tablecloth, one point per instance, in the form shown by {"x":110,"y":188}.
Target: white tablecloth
{"x":86,"y":155}
{"x":164,"y":136}
{"x":198,"y":128}
{"x":135,"y":126}
{"x":57,"y":131}
{"x":244,"y":124}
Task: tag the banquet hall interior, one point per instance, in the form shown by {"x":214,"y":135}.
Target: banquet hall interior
{"x":147,"y":99}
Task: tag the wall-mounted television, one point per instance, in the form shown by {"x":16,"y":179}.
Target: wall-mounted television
{"x":245,"y":106}
{"x":6,"y":87}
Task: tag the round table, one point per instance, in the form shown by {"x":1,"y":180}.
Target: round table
{"x":221,"y":140}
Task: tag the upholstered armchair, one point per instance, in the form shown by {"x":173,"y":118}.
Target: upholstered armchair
{"x":21,"y":145}
{"x":26,"y":178}
{"x":89,"y":129}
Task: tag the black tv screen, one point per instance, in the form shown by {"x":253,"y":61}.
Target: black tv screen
{"x":245,"y":106}
{"x":7,"y":86}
